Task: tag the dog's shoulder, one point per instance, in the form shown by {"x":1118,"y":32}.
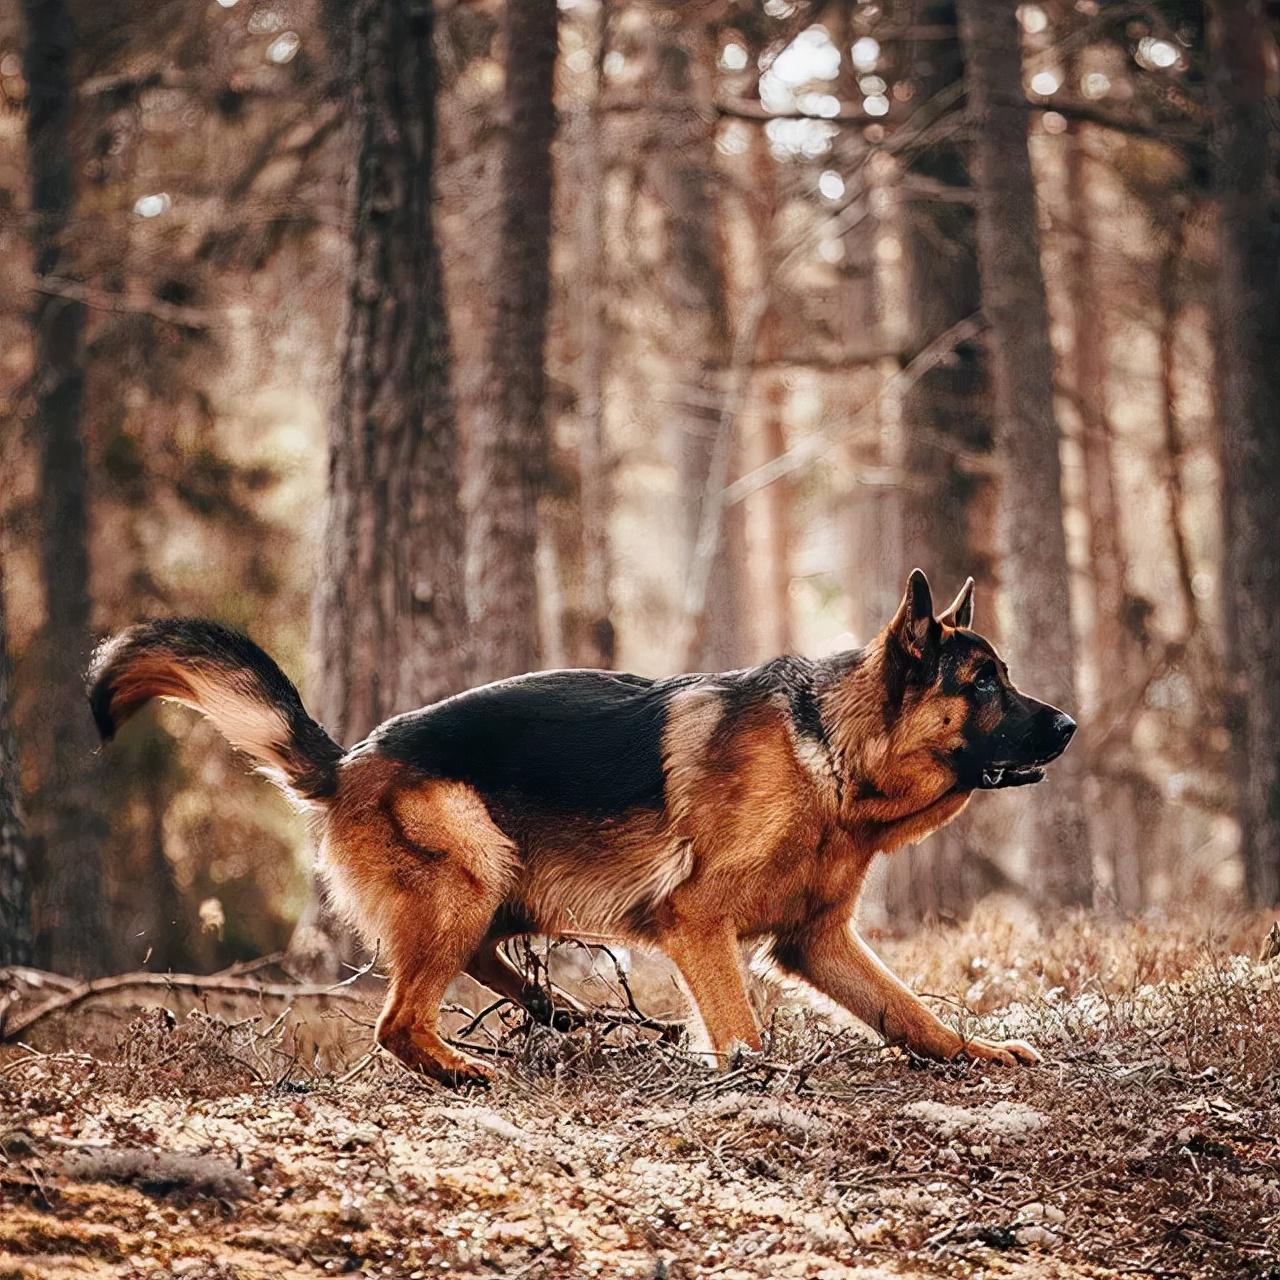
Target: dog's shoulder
{"x":790,"y":684}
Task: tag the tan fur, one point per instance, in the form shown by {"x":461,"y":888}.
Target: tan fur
{"x":764,"y":834}
{"x":705,"y":950}
{"x":420,"y":868}
{"x":692,"y":718}
{"x":585,"y":878}
{"x":250,"y":725}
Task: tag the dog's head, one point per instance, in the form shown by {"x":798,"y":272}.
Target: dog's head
{"x":951,"y":697}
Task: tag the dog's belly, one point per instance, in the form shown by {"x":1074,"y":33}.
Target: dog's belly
{"x":600,"y":879}
{"x":637,"y":879}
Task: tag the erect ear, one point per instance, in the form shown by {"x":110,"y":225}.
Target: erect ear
{"x":914,"y":626}
{"x":959,"y":613}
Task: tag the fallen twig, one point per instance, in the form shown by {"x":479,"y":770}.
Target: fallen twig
{"x":221,"y":984}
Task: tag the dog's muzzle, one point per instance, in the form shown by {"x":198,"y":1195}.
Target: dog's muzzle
{"x":1023,"y":773}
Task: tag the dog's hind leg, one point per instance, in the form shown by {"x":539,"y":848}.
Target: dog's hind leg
{"x":423,"y":868}
{"x":409,"y":1029}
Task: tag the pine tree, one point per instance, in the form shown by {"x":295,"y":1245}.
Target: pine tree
{"x":15,"y":887}
{"x":69,"y":821}
{"x":1040,"y":646}
{"x":512,"y":450}
{"x":1248,"y":337}
{"x":692,"y":282}
{"x":389,"y":618}
{"x":389,"y":624}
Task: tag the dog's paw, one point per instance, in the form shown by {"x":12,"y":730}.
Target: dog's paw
{"x":1008,"y":1053}
{"x":472,"y":1074}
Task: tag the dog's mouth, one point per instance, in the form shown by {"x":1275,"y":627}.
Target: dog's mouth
{"x":1022,"y":775}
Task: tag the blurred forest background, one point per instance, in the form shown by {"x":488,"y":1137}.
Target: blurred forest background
{"x":432,"y":344}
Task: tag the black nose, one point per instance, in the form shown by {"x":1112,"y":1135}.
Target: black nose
{"x":1064,"y":726}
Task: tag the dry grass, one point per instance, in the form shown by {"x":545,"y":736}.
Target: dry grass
{"x":209,"y":1144}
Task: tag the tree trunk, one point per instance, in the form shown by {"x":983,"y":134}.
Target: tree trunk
{"x":511,"y":450}
{"x":945,"y":413}
{"x":1175,"y":489}
{"x":389,"y":621}
{"x":948,"y":501}
{"x":594,"y":455}
{"x":1248,"y":337}
{"x":693,"y":287}
{"x":164,"y":925}
{"x":1040,"y":644}
{"x":15,"y":888}
{"x":389,"y":618}
{"x":766,"y":515}
{"x":69,"y":820}
{"x":1089,"y":387}
{"x":768,"y":520}
{"x":1119,"y":839}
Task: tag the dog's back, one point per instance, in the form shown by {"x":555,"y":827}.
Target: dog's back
{"x":558,"y":742}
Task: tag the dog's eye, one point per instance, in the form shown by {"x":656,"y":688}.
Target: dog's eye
{"x":985,"y":681}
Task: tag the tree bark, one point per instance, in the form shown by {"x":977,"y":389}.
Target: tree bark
{"x":769,"y":530}
{"x":1175,"y":489}
{"x":69,"y":820}
{"x":1089,"y":387}
{"x":512,"y":450}
{"x":1040,"y":644}
{"x":164,"y":926}
{"x":594,"y":455}
{"x":389,"y":620}
{"x":1121,"y":839}
{"x":15,"y":887}
{"x":1248,"y":337}
{"x":389,"y":616}
{"x":945,"y":412}
{"x":692,"y":281}
{"x":766,"y":515}
{"x":948,"y":503}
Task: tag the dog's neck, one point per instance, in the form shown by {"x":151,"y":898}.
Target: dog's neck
{"x":859,"y":707}
{"x":852,"y":705}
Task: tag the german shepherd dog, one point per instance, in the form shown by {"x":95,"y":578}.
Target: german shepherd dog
{"x":686,"y":814}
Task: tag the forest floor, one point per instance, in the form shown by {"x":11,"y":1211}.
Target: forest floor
{"x":193,"y":1141}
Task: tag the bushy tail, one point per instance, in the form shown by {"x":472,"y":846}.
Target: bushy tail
{"x":226,"y":676}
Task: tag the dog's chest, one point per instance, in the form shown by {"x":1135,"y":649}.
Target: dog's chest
{"x":818,"y":872}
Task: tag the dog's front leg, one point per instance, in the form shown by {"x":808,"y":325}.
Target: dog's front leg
{"x":706,"y":953}
{"x":834,"y":959}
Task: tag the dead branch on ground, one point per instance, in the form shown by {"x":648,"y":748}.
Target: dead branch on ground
{"x":14,"y":1027}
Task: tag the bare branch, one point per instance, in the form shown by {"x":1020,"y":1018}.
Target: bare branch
{"x":1170,"y":132}
{"x":219,"y":984}
{"x":125,"y":304}
{"x":813,"y":448}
